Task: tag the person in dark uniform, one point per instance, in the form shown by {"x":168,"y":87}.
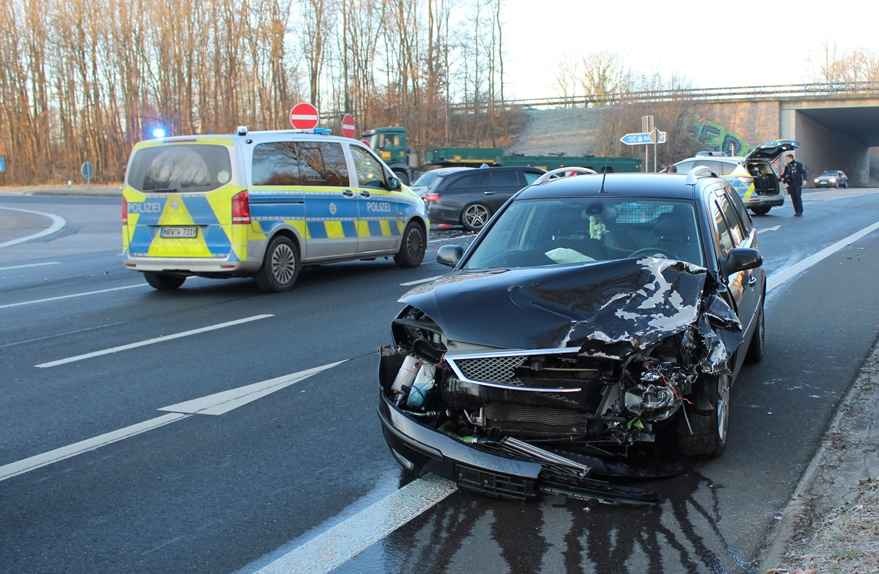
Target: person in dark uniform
{"x":794,"y":175}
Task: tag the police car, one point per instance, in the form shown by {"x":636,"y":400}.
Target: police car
{"x":263,"y":204}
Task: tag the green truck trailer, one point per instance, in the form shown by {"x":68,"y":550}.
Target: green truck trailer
{"x":392,"y":145}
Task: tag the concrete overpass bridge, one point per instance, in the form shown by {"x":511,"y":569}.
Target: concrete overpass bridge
{"x":835,"y":123}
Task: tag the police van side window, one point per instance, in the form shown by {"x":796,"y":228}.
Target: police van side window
{"x":323,"y":163}
{"x":275,"y":163}
{"x":369,"y":171}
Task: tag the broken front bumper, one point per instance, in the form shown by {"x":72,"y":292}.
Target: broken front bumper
{"x":420,"y":449}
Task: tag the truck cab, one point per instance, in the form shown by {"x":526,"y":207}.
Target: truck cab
{"x":392,"y":146}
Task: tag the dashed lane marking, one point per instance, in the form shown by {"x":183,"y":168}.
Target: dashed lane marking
{"x":71,"y":296}
{"x":153,"y":341}
{"x":29,"y":265}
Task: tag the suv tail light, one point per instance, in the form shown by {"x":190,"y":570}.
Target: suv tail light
{"x":431,"y":198}
{"x":124,"y":211}
{"x":241,"y":207}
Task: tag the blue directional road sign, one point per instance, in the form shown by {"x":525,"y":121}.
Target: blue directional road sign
{"x":2,"y":163}
{"x":642,"y":138}
{"x":87,"y":170}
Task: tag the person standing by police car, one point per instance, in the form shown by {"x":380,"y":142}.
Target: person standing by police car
{"x":794,"y":175}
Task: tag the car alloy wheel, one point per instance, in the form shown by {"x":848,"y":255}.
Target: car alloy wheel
{"x":414,"y":242}
{"x":475,"y":216}
{"x":283,"y":264}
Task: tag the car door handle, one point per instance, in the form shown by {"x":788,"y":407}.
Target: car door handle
{"x":348,"y":193}
{"x":752,"y":280}
{"x":364,"y":193}
{"x":487,"y":193}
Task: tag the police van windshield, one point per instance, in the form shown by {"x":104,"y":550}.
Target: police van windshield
{"x":180,"y":168}
{"x":538,"y":232}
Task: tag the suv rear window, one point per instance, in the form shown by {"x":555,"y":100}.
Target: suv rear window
{"x":180,"y":168}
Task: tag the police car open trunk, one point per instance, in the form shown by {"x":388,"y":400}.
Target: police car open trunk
{"x":181,"y":201}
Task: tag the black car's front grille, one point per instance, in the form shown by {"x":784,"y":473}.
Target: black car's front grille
{"x":492,"y":369}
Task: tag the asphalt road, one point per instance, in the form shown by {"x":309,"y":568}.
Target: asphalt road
{"x":264,"y":481}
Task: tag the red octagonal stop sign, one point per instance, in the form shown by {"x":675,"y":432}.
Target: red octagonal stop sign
{"x":304,"y":116}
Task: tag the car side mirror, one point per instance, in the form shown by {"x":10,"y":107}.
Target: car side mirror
{"x":394,"y":184}
{"x":742,"y":259}
{"x":449,"y":255}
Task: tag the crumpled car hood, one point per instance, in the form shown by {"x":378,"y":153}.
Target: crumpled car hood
{"x":614,"y":307}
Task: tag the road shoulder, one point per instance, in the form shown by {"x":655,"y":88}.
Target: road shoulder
{"x":831,"y":523}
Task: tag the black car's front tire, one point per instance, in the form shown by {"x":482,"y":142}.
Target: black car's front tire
{"x":413,"y":244}
{"x":709,"y":426}
{"x":280,"y":267}
{"x":164,"y":281}
{"x":475,"y":216}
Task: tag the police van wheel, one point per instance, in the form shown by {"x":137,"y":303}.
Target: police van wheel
{"x":412,"y":246}
{"x":280,"y":267}
{"x":163,"y":281}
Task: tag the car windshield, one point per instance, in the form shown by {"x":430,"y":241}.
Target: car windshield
{"x":181,"y":167}
{"x":565,"y":231}
{"x":829,"y":172}
{"x":429,"y":180}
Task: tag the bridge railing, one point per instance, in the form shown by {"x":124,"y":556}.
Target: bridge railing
{"x":824,"y":90}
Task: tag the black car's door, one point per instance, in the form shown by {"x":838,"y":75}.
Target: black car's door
{"x":746,"y":287}
{"x":502,"y":184}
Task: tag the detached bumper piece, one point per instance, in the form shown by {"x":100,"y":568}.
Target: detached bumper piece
{"x":508,"y":469}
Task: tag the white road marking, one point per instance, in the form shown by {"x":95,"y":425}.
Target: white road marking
{"x":28,"y":265}
{"x":420,"y":281}
{"x":344,"y":541}
{"x":216,"y":404}
{"x":225,"y":401}
{"x":71,"y":296}
{"x":57,"y":224}
{"x":768,"y":229}
{"x":153,"y":341}
{"x":89,"y":444}
{"x":443,"y":239}
{"x":784,"y":275}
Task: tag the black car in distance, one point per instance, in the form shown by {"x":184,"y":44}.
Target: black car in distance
{"x":469,"y":197}
{"x":592,"y":319}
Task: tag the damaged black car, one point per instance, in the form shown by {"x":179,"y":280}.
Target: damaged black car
{"x":593,"y":318}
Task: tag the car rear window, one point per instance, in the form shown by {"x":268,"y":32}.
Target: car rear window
{"x":180,"y":168}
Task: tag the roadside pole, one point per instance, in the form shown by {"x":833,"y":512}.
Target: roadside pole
{"x":645,"y":138}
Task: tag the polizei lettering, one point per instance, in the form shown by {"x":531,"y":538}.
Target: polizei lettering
{"x":378,"y":207}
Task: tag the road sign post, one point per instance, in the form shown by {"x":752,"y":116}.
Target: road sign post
{"x":303,"y":116}
{"x":645,"y":138}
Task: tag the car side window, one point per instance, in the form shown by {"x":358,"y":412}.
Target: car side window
{"x":684,"y":167}
{"x":722,"y":237}
{"x":733,"y":223}
{"x":507,"y":179}
{"x":531,"y":177}
{"x":275,"y":163}
{"x":369,"y":171}
{"x":470,"y":181}
{"x":741,"y":211}
{"x":323,"y":163}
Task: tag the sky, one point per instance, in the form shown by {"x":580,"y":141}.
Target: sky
{"x":712,"y":44}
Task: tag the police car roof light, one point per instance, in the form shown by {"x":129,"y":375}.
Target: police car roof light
{"x":242,"y":130}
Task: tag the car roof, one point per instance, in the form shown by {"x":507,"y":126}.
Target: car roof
{"x":616,"y":185}
{"x":259,"y":136}
{"x":723,"y":158}
{"x":447,"y":170}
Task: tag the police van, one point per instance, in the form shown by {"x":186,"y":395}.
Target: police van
{"x":263,"y":204}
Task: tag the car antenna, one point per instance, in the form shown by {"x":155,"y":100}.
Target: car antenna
{"x":603,"y":177}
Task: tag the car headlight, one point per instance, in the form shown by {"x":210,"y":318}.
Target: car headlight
{"x":832,"y":180}
{"x":817,"y":180}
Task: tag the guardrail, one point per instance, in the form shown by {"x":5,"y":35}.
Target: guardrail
{"x":823,"y":90}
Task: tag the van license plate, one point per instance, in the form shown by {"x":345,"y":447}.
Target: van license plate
{"x":179,"y":232}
